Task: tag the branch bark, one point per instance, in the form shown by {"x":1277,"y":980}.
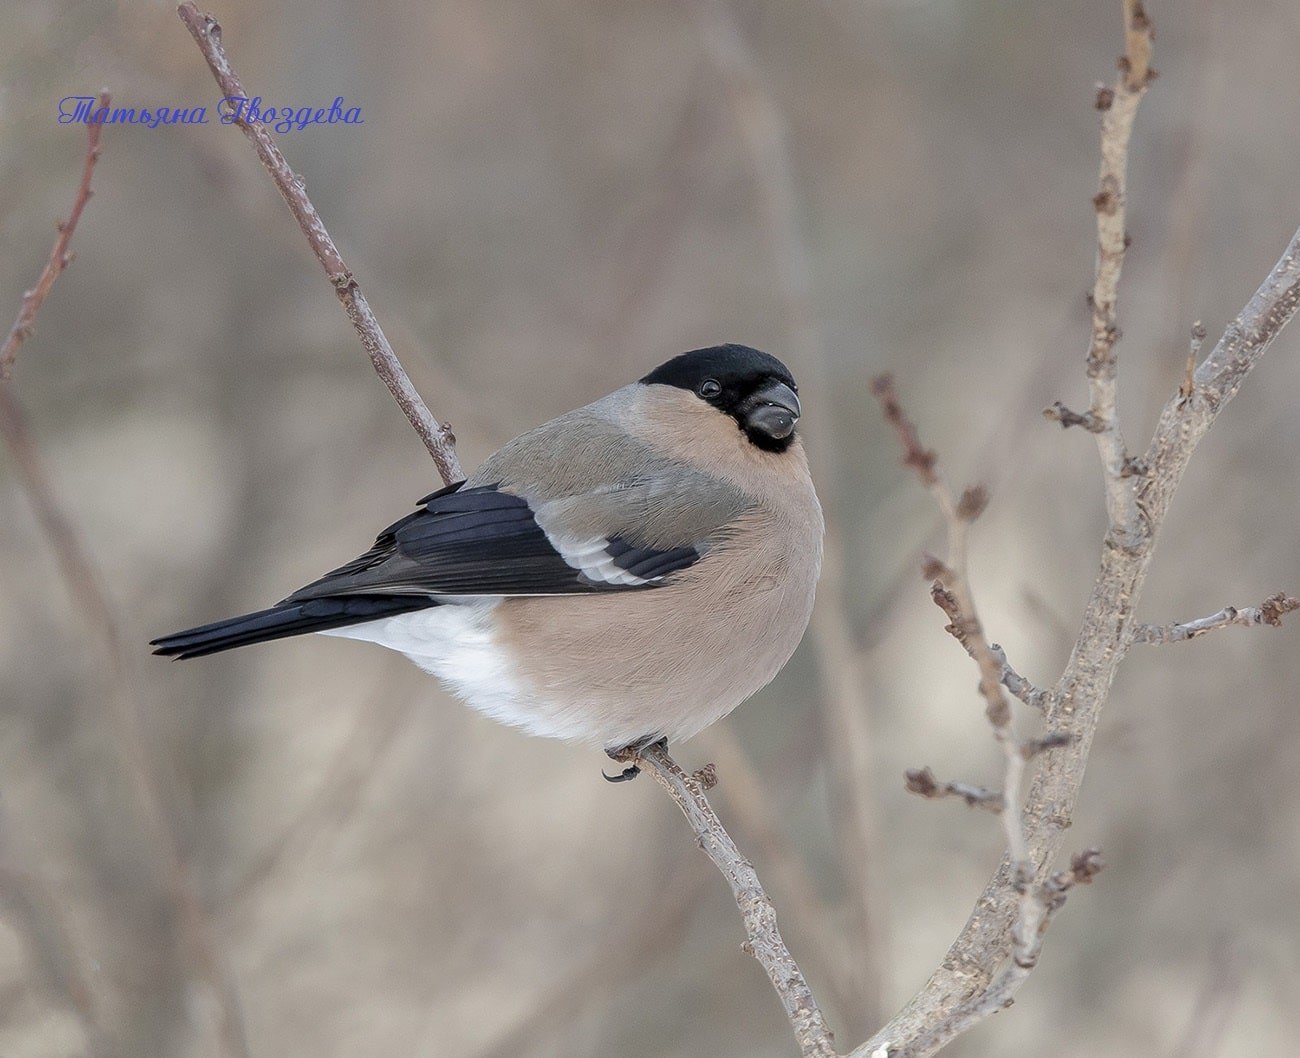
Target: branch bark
{"x":1119,"y":109}
{"x":1270,"y":612}
{"x":437,"y":436}
{"x":763,"y":938}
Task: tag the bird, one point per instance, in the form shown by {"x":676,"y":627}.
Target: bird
{"x":623,"y":575}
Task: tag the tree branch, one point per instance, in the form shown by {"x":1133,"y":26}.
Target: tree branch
{"x":154,"y":795}
{"x":1045,"y":901}
{"x":763,"y":938}
{"x":952,"y":593}
{"x":968,"y":985}
{"x":60,"y":257}
{"x":921,"y":781}
{"x":1270,"y":612}
{"x":1033,"y":696}
{"x":844,"y":696}
{"x":437,"y":437}
{"x":1075,"y":703}
{"x":1119,"y":106}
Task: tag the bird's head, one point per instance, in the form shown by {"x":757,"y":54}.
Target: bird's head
{"x":753,"y":388}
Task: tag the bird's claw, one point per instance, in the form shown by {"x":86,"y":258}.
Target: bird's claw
{"x":627,"y":774}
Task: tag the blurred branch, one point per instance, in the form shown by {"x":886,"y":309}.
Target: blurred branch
{"x":1270,"y":612}
{"x":1032,"y":696}
{"x":34,"y":909}
{"x":85,"y":585}
{"x":346,"y":781}
{"x":60,"y":257}
{"x":922,"y":782}
{"x":619,"y":958}
{"x":1215,"y":1004}
{"x":763,"y":938}
{"x":764,"y":133}
{"x":951,"y":591}
{"x":437,"y":437}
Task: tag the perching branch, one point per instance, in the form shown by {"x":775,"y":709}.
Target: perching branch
{"x":437,"y":437}
{"x":763,"y":938}
{"x":1270,"y":612}
{"x":60,"y":256}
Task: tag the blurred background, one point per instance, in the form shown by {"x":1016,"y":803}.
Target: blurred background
{"x":308,"y":846}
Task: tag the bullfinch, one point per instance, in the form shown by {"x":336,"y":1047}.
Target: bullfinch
{"x":625,"y":574}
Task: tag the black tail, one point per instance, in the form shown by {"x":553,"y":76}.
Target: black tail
{"x":292,"y":619}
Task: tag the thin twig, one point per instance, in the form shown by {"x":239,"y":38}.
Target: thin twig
{"x":1033,"y":696}
{"x":153,"y":794}
{"x":763,"y":938}
{"x":437,"y":437}
{"x":1215,"y":1003}
{"x":952,"y":593}
{"x":60,"y":257}
{"x":1187,"y":390}
{"x":922,"y":782}
{"x":765,"y":135}
{"x":1119,"y":106}
{"x":1270,"y":612}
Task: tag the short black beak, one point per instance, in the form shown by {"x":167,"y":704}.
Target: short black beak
{"x":773,"y":410}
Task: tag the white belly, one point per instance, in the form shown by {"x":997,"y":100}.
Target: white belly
{"x":456,"y":642}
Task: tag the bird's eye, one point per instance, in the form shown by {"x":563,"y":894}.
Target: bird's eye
{"x":709,"y":388}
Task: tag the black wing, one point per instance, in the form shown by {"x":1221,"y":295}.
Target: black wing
{"x":483,"y":541}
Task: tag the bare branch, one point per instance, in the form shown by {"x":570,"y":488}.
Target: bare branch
{"x":921,"y":781}
{"x":1058,"y":412}
{"x":1269,"y":612}
{"x":1119,"y":107}
{"x":437,"y":437}
{"x":60,"y":257}
{"x":1045,"y":901}
{"x":1215,"y":1003}
{"x":915,"y":454}
{"x":84,"y":583}
{"x":951,"y":592}
{"x":1188,"y":388}
{"x":763,"y":130}
{"x":748,"y":803}
{"x":1075,"y":703}
{"x":763,"y":938}
{"x":1032,"y":696}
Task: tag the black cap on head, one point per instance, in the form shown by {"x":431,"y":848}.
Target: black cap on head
{"x":729,"y":364}
{"x":755,"y":389}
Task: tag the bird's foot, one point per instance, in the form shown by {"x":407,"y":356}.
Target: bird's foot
{"x":629,"y":755}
